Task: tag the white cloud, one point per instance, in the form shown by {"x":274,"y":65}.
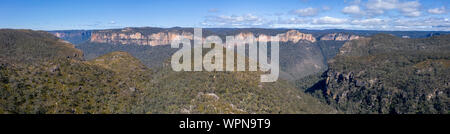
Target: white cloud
{"x":413,"y":13}
{"x":306,"y":12}
{"x":440,"y":10}
{"x":381,"y":15}
{"x":372,"y":21}
{"x":410,"y":9}
{"x":353,"y":9}
{"x":423,"y":22}
{"x":380,"y":7}
{"x":248,"y":20}
{"x":295,"y":20}
{"x":329,"y":20}
{"x":326,"y":8}
{"x":245,"y":18}
{"x":408,"y":24}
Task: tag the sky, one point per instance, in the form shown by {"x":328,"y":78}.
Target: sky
{"x":398,"y":15}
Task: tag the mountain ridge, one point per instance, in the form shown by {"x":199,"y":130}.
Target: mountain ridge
{"x":387,"y":74}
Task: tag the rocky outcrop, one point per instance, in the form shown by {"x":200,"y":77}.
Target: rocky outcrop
{"x":388,"y":74}
{"x":295,"y":36}
{"x":138,"y":38}
{"x":340,"y":37}
{"x":163,"y":38}
{"x":290,"y":36}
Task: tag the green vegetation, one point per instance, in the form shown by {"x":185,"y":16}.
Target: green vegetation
{"x":66,"y":86}
{"x":58,"y":82}
{"x":386,"y":74}
{"x":382,"y":74}
{"x":26,"y":46}
{"x":241,"y":91}
{"x":151,"y":56}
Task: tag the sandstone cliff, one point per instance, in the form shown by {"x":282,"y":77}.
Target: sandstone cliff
{"x":130,"y":36}
{"x":340,"y":37}
{"x":127,"y":36}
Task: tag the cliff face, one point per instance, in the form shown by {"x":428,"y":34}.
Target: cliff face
{"x":298,"y":60}
{"x":295,"y":36}
{"x":387,"y":74}
{"x":339,"y":37}
{"x":160,"y":36}
{"x":164,"y":37}
{"x":73,"y":36}
{"x":290,"y":36}
{"x":138,"y":38}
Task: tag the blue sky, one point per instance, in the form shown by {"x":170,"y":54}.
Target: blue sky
{"x":308,"y":14}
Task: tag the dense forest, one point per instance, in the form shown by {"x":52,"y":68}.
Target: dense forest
{"x":60,"y":80}
{"x":40,"y":73}
{"x":386,"y":74}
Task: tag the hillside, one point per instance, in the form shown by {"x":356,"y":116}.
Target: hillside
{"x":119,"y":62}
{"x":43,"y":78}
{"x":229,"y":92}
{"x":387,"y":74}
{"x":119,"y":83}
{"x":151,"y":56}
{"x":26,"y":46}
